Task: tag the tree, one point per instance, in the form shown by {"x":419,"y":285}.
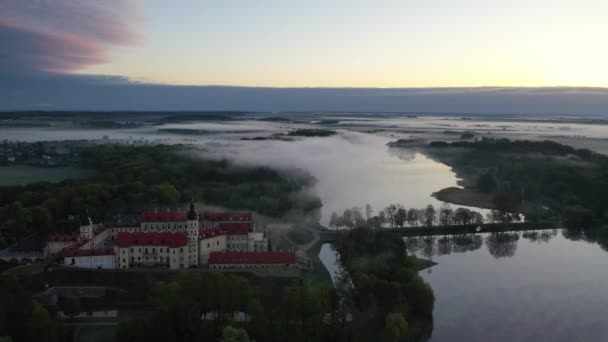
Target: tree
{"x":230,"y":334}
{"x":166,"y":193}
{"x":41,"y":219}
{"x":400,"y":216}
{"x":429,"y":215}
{"x":463,"y":216}
{"x":445,"y":214}
{"x":358,"y":219}
{"x":476,"y":217}
{"x":348,"y":219}
{"x":507,"y":201}
{"x":413,"y":215}
{"x":391,"y":213}
{"x":395,"y":326}
{"x":368,"y":211}
{"x":382,"y":219}
{"x":487,"y":183}
{"x":578,"y":217}
{"x":334,"y":220}
{"x":499,"y":216}
{"x":43,"y":327}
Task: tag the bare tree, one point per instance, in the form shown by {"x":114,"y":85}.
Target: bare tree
{"x":413,"y":215}
{"x":445,"y":214}
{"x":391,"y":213}
{"x":430,"y":215}
{"x":400,"y":216}
{"x":368,"y":211}
{"x":334,"y":220}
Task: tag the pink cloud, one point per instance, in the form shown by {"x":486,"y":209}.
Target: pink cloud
{"x":62,"y":35}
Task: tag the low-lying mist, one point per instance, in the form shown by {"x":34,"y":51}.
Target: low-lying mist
{"x":351,"y":169}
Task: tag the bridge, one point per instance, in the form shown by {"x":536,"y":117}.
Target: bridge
{"x":330,"y":235}
{"x":21,"y":257}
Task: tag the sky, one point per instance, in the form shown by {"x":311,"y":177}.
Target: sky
{"x":77,"y":54}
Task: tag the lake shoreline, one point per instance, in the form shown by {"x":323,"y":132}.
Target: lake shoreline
{"x":466,"y":197}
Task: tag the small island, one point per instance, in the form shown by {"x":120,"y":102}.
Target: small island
{"x":312,"y":133}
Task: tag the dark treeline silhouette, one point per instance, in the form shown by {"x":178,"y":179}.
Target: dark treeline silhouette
{"x":554,"y":181}
{"x":389,"y":300}
{"x":398,"y":216}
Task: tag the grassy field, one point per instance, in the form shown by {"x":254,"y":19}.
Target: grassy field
{"x":23,"y":174}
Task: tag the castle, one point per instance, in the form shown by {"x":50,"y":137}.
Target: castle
{"x":170,"y":240}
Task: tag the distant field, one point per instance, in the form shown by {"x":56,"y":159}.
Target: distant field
{"x":23,"y":174}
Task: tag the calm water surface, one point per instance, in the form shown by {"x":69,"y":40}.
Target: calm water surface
{"x":512,"y":287}
{"x":539,"y":288}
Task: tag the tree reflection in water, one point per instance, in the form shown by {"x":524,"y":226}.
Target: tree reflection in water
{"x":430,"y":246}
{"x":542,"y":236}
{"x":598,"y":235}
{"x":502,"y":244}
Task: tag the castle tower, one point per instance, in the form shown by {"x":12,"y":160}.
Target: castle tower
{"x":192,"y":232}
{"x":86,"y":226}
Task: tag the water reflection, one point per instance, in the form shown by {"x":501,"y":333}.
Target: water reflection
{"x":543,"y":236}
{"x":544,"y":285}
{"x":499,"y":245}
{"x":502,"y":245}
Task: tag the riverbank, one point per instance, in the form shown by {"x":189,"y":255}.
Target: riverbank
{"x":467,"y":197}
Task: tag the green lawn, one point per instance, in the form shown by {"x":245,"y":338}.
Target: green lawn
{"x":23,"y":174}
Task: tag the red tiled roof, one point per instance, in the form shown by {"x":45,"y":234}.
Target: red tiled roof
{"x":252,"y":258}
{"x":63,"y":238}
{"x":207,"y":216}
{"x":209,"y":233}
{"x":151,"y":239}
{"x":236,"y":228}
{"x":163,"y":216}
{"x":70,"y":252}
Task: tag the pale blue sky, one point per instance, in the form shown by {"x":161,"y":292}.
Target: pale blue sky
{"x":367,"y":43}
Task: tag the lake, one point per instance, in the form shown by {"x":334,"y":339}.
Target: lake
{"x":532,"y":286}
{"x":516,"y":288}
